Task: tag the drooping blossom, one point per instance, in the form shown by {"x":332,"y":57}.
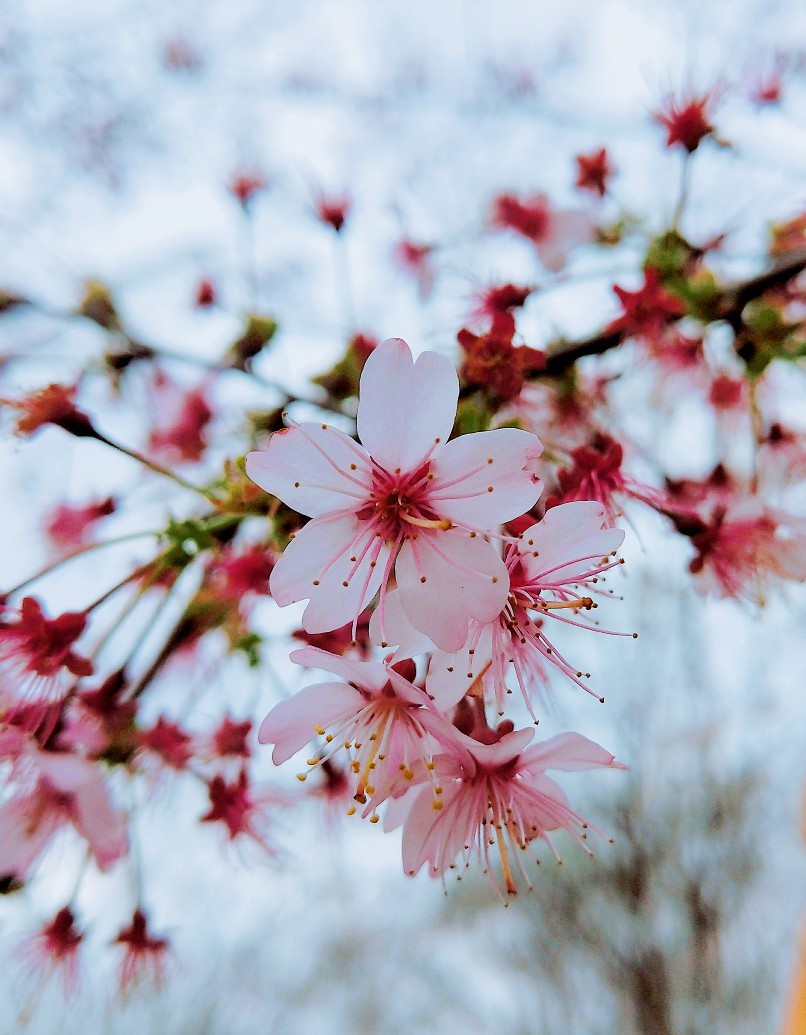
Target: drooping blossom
{"x":100,"y":720}
{"x":596,"y":474}
{"x":246,"y":185}
{"x":180,"y":421}
{"x":68,"y":527}
{"x":594,"y":172}
{"x":495,"y":303}
{"x":743,"y":546}
{"x":237,"y":573}
{"x":243,"y":812}
{"x":496,"y":795}
{"x":555,"y":568}
{"x":554,"y":232}
{"x":36,"y":654}
{"x":410,"y":501}
{"x":167,"y":741}
{"x":145,"y":954}
{"x":333,"y":211}
{"x":206,"y":294}
{"x":415,"y":258}
{"x":54,"y":405}
{"x":50,"y":790}
{"x":377,"y":715}
{"x":647,"y":311}
{"x":54,"y":949}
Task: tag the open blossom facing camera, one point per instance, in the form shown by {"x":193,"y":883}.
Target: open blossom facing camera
{"x":410,"y":501}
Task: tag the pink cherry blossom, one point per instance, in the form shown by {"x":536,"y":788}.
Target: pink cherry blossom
{"x":554,"y":232}
{"x":554,"y":559}
{"x":54,"y":949}
{"x":741,"y":546}
{"x":410,"y":501}
{"x":378,"y":715}
{"x":49,"y":791}
{"x":145,"y":954}
{"x":496,"y":795}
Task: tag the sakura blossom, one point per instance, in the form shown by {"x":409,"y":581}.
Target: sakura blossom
{"x":145,"y":954}
{"x":554,"y":232}
{"x":37,"y":656}
{"x":49,"y":791}
{"x":377,"y":715}
{"x":410,"y":501}
{"x":494,"y":794}
{"x":550,"y":565}
{"x":741,"y":549}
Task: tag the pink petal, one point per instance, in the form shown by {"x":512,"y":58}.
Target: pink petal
{"x":105,"y":828}
{"x":321,"y":553}
{"x":484,"y":479}
{"x":313,"y":468}
{"x":570,"y":752}
{"x":397,"y":629}
{"x":575,"y":533}
{"x":437,"y":837}
{"x":291,"y":724}
{"x":370,"y":675}
{"x":491,"y":756}
{"x":446,"y":578}
{"x":568,"y":228}
{"x":405,"y":407}
{"x":450,"y":675}
{"x":26,"y":828}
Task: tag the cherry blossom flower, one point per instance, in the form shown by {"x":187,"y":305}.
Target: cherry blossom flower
{"x":594,"y":171}
{"x":496,"y":303}
{"x":145,"y":954}
{"x":415,"y":258}
{"x":246,"y":185}
{"x":242,"y":812}
{"x":743,"y":545}
{"x":554,"y":232}
{"x":37,"y":656}
{"x":180,"y":422}
{"x":686,"y":120}
{"x":168,"y":742}
{"x":553,"y":561}
{"x":648,"y":311}
{"x":596,"y":474}
{"x":411,"y":501}
{"x":497,"y":795}
{"x":378,"y":715}
{"x":69,"y":526}
{"x":50,"y":790}
{"x":491,"y":361}
{"x":54,"y":949}
{"x":55,"y":405}
{"x":238,"y":573}
{"x":333,"y":211}
{"x":206,"y":294}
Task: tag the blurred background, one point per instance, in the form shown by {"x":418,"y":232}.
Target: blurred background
{"x":129,"y":133}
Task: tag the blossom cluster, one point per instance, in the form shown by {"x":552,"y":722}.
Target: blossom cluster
{"x":450,"y":539}
{"x":409,"y":506}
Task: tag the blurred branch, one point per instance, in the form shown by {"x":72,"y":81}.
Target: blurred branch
{"x":733,"y":299}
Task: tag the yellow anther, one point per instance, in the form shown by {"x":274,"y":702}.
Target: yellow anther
{"x":320,"y":730}
{"x":374,"y":818}
{"x":436,"y":805}
{"x":302,"y":777}
{"x":351,"y":810}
